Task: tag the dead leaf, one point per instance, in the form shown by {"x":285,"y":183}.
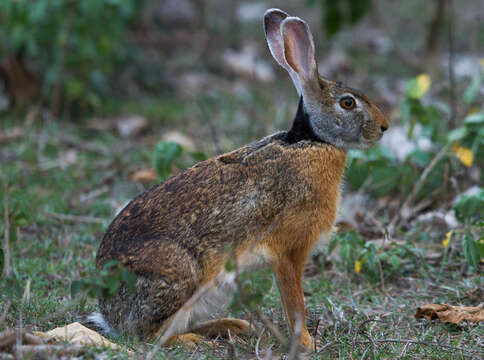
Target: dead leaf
{"x":451,"y":314}
{"x":131,"y":125}
{"x":10,"y":134}
{"x":179,"y":138}
{"x":146,"y":176}
{"x":77,"y":333}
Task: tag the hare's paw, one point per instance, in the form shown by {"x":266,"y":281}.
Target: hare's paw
{"x":188,"y":339}
{"x":222,"y":327}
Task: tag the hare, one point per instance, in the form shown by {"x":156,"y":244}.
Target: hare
{"x":268,"y":202}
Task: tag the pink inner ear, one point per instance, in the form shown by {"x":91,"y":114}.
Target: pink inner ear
{"x":272,"y":26}
{"x":298,"y":47}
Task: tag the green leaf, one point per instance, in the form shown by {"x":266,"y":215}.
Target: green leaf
{"x":468,"y":207}
{"x":2,"y":260}
{"x":164,"y":154}
{"x":395,"y":261}
{"x":471,"y":251}
{"x":77,"y":286}
{"x":129,"y":279}
{"x":477,"y":118}
{"x":473,"y":89}
{"x":457,"y":134}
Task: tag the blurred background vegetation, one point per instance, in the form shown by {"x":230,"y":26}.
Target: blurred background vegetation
{"x":99,"y":99}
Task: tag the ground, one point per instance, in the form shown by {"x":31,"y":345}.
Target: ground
{"x":65,"y":183}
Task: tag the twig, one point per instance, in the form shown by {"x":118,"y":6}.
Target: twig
{"x":12,"y":134}
{"x":82,"y":145}
{"x":5,"y":312}
{"x":433,"y":36}
{"x":403,"y":213}
{"x":47,"y":351}
{"x":75,"y":218}
{"x":270,"y":326}
{"x":450,"y":39}
{"x":258,"y":343}
{"x":403,"y":350}
{"x":63,"y":41}
{"x":294,"y":350}
{"x":179,"y":314}
{"x":7,"y":266}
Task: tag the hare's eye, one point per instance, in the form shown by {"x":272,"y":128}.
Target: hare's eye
{"x":347,"y":103}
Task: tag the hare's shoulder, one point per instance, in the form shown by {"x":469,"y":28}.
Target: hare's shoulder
{"x":276,"y":146}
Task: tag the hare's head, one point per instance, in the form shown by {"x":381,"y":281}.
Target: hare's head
{"x":337,"y":114}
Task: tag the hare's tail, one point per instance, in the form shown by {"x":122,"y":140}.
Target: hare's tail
{"x":97,"y":319}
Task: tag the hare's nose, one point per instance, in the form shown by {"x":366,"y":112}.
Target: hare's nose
{"x":383,"y":128}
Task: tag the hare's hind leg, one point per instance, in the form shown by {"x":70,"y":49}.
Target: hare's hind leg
{"x":222,"y":327}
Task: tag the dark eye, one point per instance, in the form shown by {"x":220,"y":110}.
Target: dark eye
{"x":347,"y":103}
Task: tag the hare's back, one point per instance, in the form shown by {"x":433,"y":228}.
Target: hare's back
{"x":203,"y":209}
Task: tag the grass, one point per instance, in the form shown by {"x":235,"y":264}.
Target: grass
{"x":349,"y":316}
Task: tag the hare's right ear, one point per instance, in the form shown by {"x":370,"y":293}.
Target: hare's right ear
{"x":300,"y":54}
{"x":272,"y":28}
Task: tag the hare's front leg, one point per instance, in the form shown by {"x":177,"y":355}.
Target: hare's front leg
{"x":288,"y":270}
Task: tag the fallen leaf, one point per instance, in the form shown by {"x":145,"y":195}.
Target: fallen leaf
{"x":77,"y":333}
{"x":131,"y":125}
{"x":451,"y":314}
{"x":146,"y":176}
{"x":179,"y":138}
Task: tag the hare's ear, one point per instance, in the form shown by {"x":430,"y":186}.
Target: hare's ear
{"x":299,"y":52}
{"x":272,"y":28}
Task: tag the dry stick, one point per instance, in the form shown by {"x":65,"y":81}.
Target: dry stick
{"x":179,"y":314}
{"x":418,"y":186}
{"x":7,"y":266}
{"x":258,"y":343}
{"x":452,"y":92}
{"x":64,"y":38}
{"x":294,"y":351}
{"x":5,"y":312}
{"x":271,"y":327}
{"x":433,"y":37}
{"x":46,"y":351}
{"x":75,"y":218}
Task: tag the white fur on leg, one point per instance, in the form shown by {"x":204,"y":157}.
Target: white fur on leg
{"x":98,"y":319}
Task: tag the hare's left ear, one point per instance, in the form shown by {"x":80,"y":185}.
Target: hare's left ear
{"x":273,"y":19}
{"x":299,"y":53}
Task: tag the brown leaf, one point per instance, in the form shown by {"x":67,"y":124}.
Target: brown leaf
{"x":451,"y":314}
{"x":146,"y":176}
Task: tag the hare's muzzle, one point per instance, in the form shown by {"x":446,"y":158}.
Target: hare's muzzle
{"x":374,"y":129}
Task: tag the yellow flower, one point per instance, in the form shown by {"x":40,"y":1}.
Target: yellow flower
{"x":357,"y":267}
{"x":423,"y":85}
{"x":465,"y":155}
{"x":446,"y":241}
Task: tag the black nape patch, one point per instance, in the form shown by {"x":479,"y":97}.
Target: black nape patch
{"x":301,"y":128}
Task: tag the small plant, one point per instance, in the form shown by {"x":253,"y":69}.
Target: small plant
{"x":469,"y":209}
{"x":360,"y":257}
{"x":167,"y":154}
{"x":106,"y":282}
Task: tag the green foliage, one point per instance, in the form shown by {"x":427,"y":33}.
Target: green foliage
{"x":82,"y":39}
{"x":106,"y":282}
{"x":469,"y":208}
{"x":471,"y":251}
{"x":164,"y":155}
{"x":168,"y":154}
{"x":357,"y":256}
{"x":251,"y":290}
{"x":337,"y":14}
